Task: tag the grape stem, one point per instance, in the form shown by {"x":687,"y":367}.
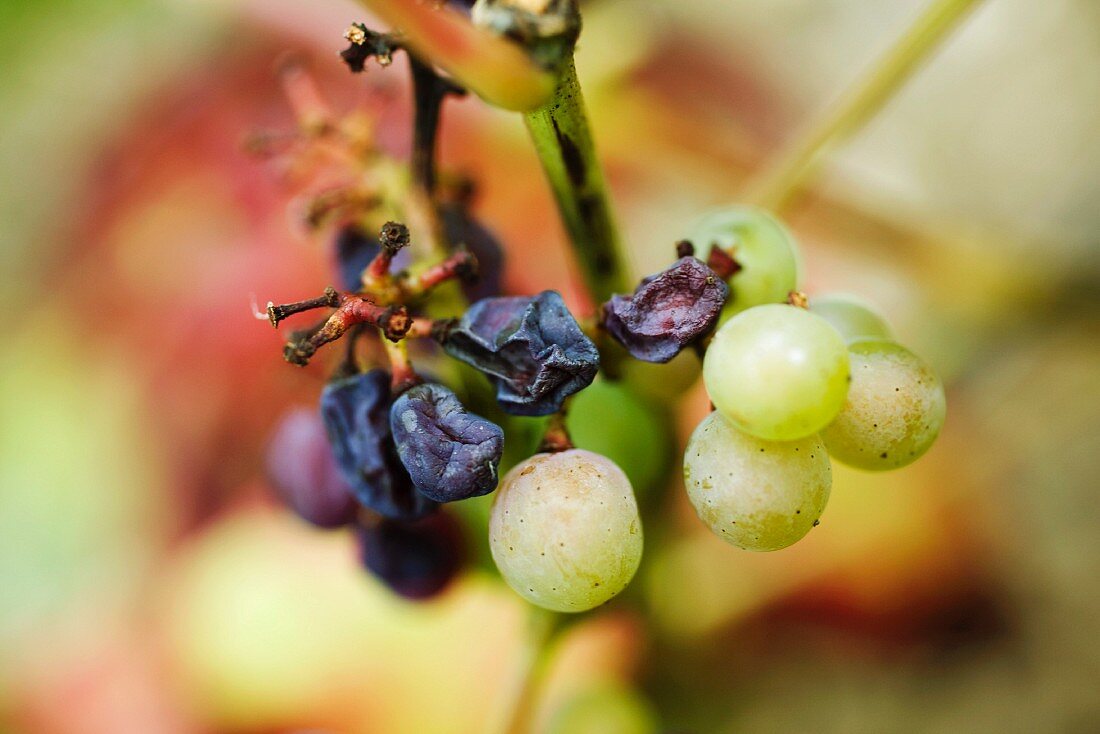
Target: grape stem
{"x":556,"y":438}
{"x":773,"y":187}
{"x":514,"y":715}
{"x":563,"y":142}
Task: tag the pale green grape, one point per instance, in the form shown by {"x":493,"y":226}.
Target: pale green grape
{"x":662,"y":383}
{"x":564,"y":530}
{"x":609,"y":419}
{"x":778,"y":372}
{"x":754,"y":494}
{"x":764,"y":249}
{"x":607,"y":709}
{"x":895,"y":408}
{"x":853,"y":318}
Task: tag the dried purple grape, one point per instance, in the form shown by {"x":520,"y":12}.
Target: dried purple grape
{"x":667,"y":311}
{"x":449,"y":453}
{"x":354,"y":252}
{"x":531,"y":348}
{"x":416,"y":559}
{"x":303,"y":471}
{"x":464,"y":231}
{"x":356,"y":412}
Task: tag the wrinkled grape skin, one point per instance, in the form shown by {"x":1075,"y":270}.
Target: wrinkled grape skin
{"x":416,"y":559}
{"x":894,"y":411}
{"x":667,"y":311}
{"x":777,"y":372}
{"x":303,"y":471}
{"x":564,"y":530}
{"x":764,"y":249}
{"x":356,"y":412}
{"x":450,"y":454}
{"x":853,"y":318}
{"x":754,"y":494}
{"x":530,"y":348}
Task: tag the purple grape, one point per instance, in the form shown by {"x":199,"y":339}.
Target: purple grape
{"x":465,"y":231}
{"x":356,"y":412}
{"x":416,"y":559}
{"x":303,"y":471}
{"x":449,"y":453}
{"x":531,"y":348}
{"x":354,"y":252}
{"x":667,"y":311}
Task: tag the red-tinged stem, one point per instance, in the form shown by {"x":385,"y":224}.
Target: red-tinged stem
{"x":461,"y":265}
{"x":394,"y":322}
{"x":275,"y":314}
{"x":421,"y":328}
{"x":402,"y":374}
{"x":496,"y":69}
{"x":556,"y":438}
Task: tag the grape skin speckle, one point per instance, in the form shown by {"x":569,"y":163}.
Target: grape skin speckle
{"x":573,"y":536}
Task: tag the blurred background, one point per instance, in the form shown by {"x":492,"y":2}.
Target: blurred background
{"x":150,"y":583}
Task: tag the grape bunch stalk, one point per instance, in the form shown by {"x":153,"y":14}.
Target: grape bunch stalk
{"x":393,"y":452}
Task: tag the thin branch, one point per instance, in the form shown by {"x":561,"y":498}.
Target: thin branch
{"x":775,"y":185}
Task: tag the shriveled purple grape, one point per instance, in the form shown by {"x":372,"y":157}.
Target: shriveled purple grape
{"x":417,"y":558}
{"x":531,"y":348}
{"x":465,"y":231}
{"x":449,"y":453}
{"x":667,"y":311}
{"x":303,"y":471}
{"x":354,"y":251}
{"x":356,"y":412}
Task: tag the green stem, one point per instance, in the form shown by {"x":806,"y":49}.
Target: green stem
{"x":563,"y":142}
{"x":518,"y":702}
{"x":773,"y":187}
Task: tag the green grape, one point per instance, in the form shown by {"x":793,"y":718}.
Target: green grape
{"x":764,"y":249}
{"x":607,"y":709}
{"x":609,"y":419}
{"x":564,"y":530}
{"x":778,"y":372}
{"x":754,"y":494}
{"x":895,"y":408}
{"x":852,"y":317}
{"x":662,"y":383}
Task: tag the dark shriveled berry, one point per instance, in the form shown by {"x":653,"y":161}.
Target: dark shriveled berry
{"x":449,"y":453}
{"x":303,"y":471}
{"x":464,"y":231}
{"x":356,"y":412}
{"x":416,"y":559}
{"x":531,"y":348}
{"x":354,"y":252}
{"x":667,"y":311}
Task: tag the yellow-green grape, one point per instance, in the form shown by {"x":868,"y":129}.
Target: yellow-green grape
{"x":608,"y":418}
{"x":754,"y":494}
{"x":852,"y":317}
{"x":777,"y":372}
{"x":895,"y":408}
{"x":764,"y":249}
{"x":607,"y":709}
{"x":662,"y":383}
{"x":564,"y":530}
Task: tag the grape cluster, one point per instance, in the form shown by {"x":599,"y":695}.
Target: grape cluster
{"x":793,"y":383}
